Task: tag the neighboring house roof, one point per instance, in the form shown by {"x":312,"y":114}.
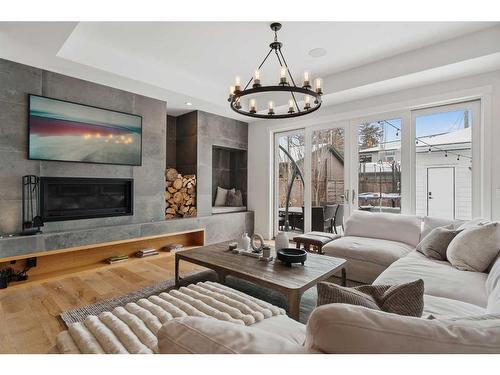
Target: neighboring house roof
{"x":337,"y":154}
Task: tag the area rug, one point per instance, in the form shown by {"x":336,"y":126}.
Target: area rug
{"x":308,"y":301}
{"x":79,"y":314}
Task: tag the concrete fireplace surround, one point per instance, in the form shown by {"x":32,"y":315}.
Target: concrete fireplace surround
{"x":199,"y":132}
{"x":17,"y":81}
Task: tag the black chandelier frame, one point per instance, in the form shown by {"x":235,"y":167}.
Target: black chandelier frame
{"x":257,"y":88}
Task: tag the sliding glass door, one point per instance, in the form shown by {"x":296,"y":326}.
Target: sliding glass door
{"x":425,"y":162}
{"x":289,"y":151}
{"x":327,"y":179}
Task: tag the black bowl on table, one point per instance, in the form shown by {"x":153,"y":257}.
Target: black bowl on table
{"x":290,"y":256}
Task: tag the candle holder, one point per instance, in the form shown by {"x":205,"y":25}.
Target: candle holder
{"x":319,"y":91}
{"x":283,"y":81}
{"x":256,"y":79}
{"x":307,"y":106}
{"x":270,"y":112}
{"x":252,"y":106}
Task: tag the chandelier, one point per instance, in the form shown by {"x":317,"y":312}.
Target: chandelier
{"x":311,"y":98}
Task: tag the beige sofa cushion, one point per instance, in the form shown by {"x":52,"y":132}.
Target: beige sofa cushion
{"x":440,"y":307}
{"x":341,"y":328}
{"x":494,"y":301}
{"x":283,"y":326}
{"x":441,"y":279}
{"x":366,"y":257}
{"x":195,"y":335}
{"x":475,"y":248}
{"x":493,"y":279}
{"x":386,"y":226}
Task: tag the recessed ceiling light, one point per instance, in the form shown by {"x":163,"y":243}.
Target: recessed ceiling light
{"x":317,"y":52}
{"x":188,"y":103}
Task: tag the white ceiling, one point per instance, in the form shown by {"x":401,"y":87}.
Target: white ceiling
{"x":197,"y":61}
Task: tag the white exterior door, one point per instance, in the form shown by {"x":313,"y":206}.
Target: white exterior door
{"x":441,"y":192}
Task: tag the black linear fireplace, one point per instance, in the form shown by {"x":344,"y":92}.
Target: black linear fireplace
{"x":69,"y":198}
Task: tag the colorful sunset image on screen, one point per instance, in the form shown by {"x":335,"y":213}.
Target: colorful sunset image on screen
{"x":67,"y":131}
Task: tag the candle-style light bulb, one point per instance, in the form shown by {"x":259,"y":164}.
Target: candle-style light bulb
{"x":307,"y":101}
{"x":256,"y":78}
{"x":307,"y":83}
{"x":237,"y":84}
{"x":270,"y":108}
{"x":290,"y":106}
{"x":318,"y":86}
{"x":231,"y":90}
{"x":253,"y":106}
{"x":283,"y":75}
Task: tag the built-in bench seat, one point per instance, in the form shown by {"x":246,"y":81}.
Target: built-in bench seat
{"x":227,"y":209}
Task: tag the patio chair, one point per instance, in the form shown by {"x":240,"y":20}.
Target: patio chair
{"x":281,"y":222}
{"x":319,"y":220}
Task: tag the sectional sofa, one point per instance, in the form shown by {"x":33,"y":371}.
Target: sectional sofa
{"x":461,"y":308}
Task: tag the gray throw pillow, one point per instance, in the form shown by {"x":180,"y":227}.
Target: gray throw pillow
{"x":475,"y":248}
{"x":234,"y":198}
{"x":434,"y":245}
{"x":403,"y":299}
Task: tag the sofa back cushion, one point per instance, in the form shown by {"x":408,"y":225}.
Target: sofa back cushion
{"x":493,"y":279}
{"x":493,"y":288}
{"x":430,"y":222}
{"x":386,"y":226}
{"x":347,"y":329}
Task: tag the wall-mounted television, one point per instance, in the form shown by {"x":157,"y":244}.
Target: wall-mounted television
{"x":60,"y":130}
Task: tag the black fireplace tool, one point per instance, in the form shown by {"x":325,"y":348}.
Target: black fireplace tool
{"x":32,"y":221}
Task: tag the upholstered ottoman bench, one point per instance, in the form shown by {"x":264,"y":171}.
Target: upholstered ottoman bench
{"x":314,"y":241}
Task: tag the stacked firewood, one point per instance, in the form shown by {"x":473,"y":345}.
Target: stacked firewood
{"x":180,"y":194}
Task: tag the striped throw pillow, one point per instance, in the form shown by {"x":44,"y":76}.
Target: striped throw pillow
{"x":402,"y":299}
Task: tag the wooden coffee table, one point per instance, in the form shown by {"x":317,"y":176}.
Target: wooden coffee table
{"x":291,"y":281}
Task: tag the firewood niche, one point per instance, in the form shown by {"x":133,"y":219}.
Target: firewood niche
{"x":180,"y":194}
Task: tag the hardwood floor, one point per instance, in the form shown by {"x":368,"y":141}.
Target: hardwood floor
{"x":29,"y":314}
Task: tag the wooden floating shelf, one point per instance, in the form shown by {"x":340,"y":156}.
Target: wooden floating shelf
{"x":59,"y":263}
